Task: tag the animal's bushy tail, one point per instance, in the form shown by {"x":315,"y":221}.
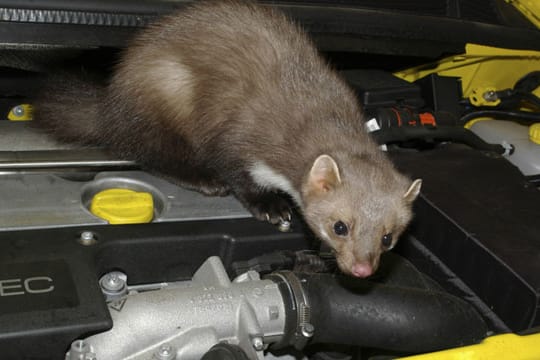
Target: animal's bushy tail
{"x":69,"y":108}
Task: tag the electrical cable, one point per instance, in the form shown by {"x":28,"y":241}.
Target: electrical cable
{"x":498,"y":114}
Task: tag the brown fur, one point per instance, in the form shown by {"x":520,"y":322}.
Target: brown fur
{"x":206,"y":94}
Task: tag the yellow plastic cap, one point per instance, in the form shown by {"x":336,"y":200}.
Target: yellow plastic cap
{"x":22,"y":112}
{"x":534,"y":133}
{"x":123,"y":206}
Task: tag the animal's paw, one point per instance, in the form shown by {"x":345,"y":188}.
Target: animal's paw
{"x":271,"y":207}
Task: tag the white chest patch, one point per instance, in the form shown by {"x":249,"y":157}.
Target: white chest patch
{"x":266,"y":177}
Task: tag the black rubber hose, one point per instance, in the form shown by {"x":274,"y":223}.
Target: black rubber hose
{"x":446,"y":133}
{"x":357,"y":312}
{"x":224,"y":351}
{"x":502,"y":114}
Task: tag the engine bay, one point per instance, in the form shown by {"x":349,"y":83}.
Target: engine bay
{"x":100,"y":259}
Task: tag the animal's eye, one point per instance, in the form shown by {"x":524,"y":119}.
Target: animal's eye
{"x":387,"y":240}
{"x":340,"y":228}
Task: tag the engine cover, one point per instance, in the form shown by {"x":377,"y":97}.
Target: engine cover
{"x":49,"y":288}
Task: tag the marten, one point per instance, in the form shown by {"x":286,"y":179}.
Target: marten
{"x":233,"y":97}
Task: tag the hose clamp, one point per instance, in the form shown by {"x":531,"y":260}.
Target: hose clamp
{"x":304,"y":328}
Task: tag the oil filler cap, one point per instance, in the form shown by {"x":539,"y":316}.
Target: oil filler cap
{"x":22,"y":112}
{"x":123,"y":206}
{"x":534,"y":133}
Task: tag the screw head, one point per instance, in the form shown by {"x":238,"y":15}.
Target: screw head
{"x":113,"y":282}
{"x":308,"y":330}
{"x":257,"y":343}
{"x":165,"y":352}
{"x":79,"y":346}
{"x":87,"y":238}
{"x":80,"y":350}
{"x":490,"y":95}
{"x":87,"y":235}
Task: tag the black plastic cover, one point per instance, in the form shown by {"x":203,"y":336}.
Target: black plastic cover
{"x":377,"y":88}
{"x":442,"y":95}
{"x":49,"y":292}
{"x":476,"y":231}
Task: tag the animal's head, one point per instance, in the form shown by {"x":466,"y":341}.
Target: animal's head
{"x":359,"y":212}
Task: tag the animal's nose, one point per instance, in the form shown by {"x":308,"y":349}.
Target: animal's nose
{"x":362,"y":270}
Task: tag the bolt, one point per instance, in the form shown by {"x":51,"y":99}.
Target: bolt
{"x":87,"y":238}
{"x":80,"y":350}
{"x":87,"y":235}
{"x":308,"y":330}
{"x":257,"y":343}
{"x":79,"y":346}
{"x":490,"y":95}
{"x":165,"y":352}
{"x":113,"y":282}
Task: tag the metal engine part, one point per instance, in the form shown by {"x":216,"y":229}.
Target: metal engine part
{"x":185,"y":321}
{"x":210,"y":315}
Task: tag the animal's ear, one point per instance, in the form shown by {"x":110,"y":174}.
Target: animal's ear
{"x":413,"y":191}
{"x":324,"y":174}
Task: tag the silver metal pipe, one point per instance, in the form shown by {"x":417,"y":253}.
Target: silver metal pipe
{"x":187,"y":321}
{"x":59,"y":159}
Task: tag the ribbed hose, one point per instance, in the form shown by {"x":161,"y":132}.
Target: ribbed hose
{"x":357,"y":312}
